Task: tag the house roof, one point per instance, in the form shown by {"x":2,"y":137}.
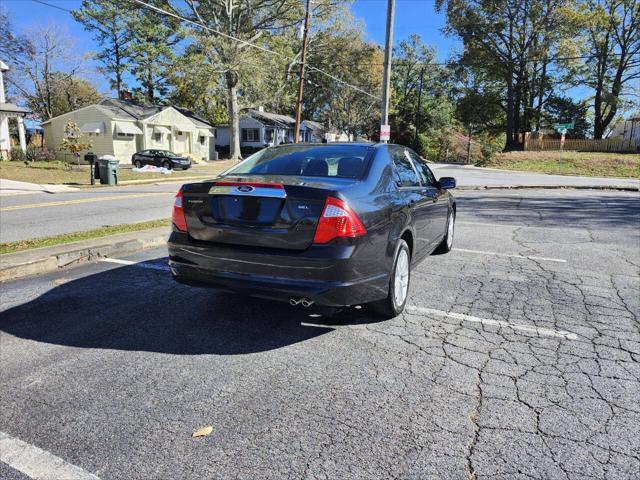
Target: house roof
{"x":12,"y":108}
{"x":199,"y":121}
{"x":130,"y":110}
{"x":311,"y":125}
{"x":272,"y":119}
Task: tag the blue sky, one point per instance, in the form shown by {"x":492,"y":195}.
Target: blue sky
{"x":412,"y":16}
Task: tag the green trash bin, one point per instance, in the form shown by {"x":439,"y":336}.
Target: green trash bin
{"x":108,"y":171}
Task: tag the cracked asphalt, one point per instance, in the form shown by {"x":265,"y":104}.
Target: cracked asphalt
{"x":518,"y":358}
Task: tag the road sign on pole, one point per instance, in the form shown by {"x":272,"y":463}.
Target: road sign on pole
{"x":385,"y":133}
{"x":558,"y":127}
{"x":564,"y":130}
{"x":386,"y":78}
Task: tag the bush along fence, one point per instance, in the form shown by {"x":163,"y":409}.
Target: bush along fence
{"x":582,"y":145}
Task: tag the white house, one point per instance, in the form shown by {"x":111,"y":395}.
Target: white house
{"x":121,"y":128}
{"x":629,"y":131}
{"x":8,"y":111}
{"x":259,"y":129}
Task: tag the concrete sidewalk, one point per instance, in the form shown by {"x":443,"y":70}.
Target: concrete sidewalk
{"x":43,"y":260}
{"x":13,"y":187}
{"x":470,"y":177}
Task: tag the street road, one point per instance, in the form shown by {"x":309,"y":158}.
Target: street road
{"x":41,"y":215}
{"x":517,"y":358}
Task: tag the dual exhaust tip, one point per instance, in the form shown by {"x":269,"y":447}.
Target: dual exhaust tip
{"x":304,"y":301}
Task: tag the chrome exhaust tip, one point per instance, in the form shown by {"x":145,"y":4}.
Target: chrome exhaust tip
{"x":295,"y":301}
{"x":306,"y":302}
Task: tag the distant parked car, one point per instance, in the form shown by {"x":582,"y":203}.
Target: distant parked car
{"x":160,"y":158}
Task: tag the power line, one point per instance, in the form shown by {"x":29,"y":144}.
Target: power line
{"x":245,"y":42}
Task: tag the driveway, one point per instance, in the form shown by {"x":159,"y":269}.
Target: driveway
{"x":517,"y":358}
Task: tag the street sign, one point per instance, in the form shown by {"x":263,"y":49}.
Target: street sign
{"x":385,"y":133}
{"x":558,"y":127}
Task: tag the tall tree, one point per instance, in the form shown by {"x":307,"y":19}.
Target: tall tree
{"x":47,"y":65}
{"x":420,"y":101}
{"x":70,"y":93}
{"x":152,"y":49}
{"x":110,"y":23}
{"x":247,"y":20}
{"x":509,"y":41}
{"x":341,"y":50}
{"x":611,"y":38}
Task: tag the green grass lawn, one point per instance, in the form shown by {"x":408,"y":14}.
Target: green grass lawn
{"x":62,"y":173}
{"x":21,"y":245}
{"x":591,"y":164}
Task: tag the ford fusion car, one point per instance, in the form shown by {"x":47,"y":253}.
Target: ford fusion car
{"x":330,"y":224}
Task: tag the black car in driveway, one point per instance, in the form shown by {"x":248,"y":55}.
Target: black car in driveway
{"x":160,"y":158}
{"x":331,"y":224}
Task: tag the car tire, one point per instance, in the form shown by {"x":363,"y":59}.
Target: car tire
{"x":166,"y":165}
{"x":447,"y":242}
{"x":137,"y":164}
{"x":400,"y":278}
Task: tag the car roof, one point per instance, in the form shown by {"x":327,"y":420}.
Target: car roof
{"x":332,"y":144}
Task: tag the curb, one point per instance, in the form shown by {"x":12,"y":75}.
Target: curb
{"x":39,"y":261}
{"x":548,"y":187}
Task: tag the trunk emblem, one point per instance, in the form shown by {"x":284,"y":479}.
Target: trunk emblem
{"x":245,"y":188}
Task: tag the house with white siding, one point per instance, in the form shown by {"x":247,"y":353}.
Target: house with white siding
{"x":122,"y":128}
{"x":259,"y":129}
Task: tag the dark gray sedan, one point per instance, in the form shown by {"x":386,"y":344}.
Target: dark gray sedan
{"x":160,"y":158}
{"x":331,"y":224}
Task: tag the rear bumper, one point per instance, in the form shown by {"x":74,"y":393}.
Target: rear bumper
{"x":329,"y":275}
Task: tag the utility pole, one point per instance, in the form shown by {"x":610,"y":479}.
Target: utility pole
{"x":307,"y":18}
{"x":388,"y":51}
{"x":415,"y":140}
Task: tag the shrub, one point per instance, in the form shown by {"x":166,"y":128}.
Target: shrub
{"x":41,"y":154}
{"x":17,"y":155}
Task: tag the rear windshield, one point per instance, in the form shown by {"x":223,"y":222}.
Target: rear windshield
{"x":345,"y":161}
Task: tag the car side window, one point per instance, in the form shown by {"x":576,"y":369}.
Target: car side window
{"x":404,"y":170}
{"x":426,"y":175}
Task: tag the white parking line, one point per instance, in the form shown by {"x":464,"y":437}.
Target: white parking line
{"x":37,"y":463}
{"x":411,"y":309}
{"x":511,"y":255}
{"x":150,"y":266}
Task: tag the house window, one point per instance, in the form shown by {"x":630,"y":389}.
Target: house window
{"x":250,"y":135}
{"x":202,"y":139}
{"x":268,"y":135}
{"x":157,"y":137}
{"x":179,"y":133}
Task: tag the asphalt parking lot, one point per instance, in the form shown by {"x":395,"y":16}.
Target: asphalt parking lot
{"x":517,"y":358}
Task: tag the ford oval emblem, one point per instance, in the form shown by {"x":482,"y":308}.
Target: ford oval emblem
{"x":245,"y":188}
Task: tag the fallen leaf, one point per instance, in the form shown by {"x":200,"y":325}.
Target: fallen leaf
{"x":202,"y":432}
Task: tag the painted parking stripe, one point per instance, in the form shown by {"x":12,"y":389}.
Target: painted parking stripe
{"x":411,"y":309}
{"x":37,"y":463}
{"x":511,"y":255}
{"x":150,"y":266}
{"x":77,"y":201}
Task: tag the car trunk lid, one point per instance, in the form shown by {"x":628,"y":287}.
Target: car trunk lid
{"x":263,"y":211}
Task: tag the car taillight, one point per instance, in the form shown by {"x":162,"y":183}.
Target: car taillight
{"x":337,"y":220}
{"x":177,"y":217}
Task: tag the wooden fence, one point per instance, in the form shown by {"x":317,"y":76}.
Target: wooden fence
{"x":581,"y":145}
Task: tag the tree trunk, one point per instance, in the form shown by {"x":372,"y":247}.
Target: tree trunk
{"x":543,"y":79}
{"x":149,"y":85}
{"x":509,"y":127}
{"x":234,"y":116}
{"x":118,"y":62}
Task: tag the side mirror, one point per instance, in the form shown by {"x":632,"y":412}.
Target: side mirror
{"x":447,"y":183}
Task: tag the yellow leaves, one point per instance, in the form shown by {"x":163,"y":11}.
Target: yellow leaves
{"x":202,"y":432}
